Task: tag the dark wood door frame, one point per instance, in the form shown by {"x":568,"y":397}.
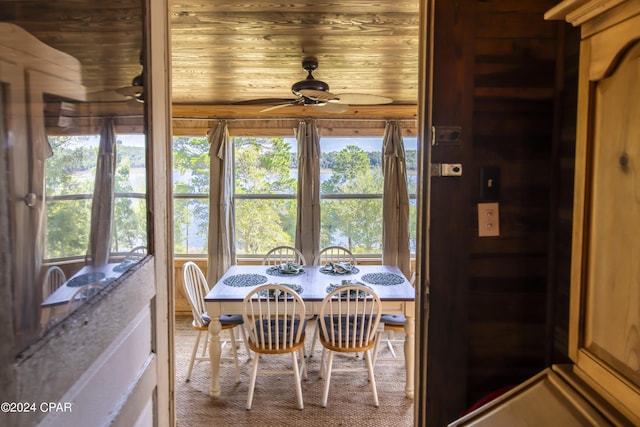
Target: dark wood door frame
{"x":446,"y":100}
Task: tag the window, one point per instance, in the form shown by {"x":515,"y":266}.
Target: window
{"x":191,"y":194}
{"x":265,"y":193}
{"x":70,"y":179}
{"x":265,"y":185}
{"x":411,"y":155}
{"x":266,"y":180}
{"x":351,"y":193}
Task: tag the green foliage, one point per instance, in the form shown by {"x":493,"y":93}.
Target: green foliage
{"x":263,"y":166}
{"x":357,"y":220}
{"x":264,"y":224}
{"x":191,"y":159}
{"x":69,"y":181}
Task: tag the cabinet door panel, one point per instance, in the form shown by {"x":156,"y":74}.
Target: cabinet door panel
{"x":612,"y":310}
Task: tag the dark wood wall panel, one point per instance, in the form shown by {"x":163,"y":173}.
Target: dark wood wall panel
{"x":564,"y":160}
{"x":515,"y":78}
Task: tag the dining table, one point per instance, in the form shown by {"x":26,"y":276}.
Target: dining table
{"x":55,"y":305}
{"x":396,"y":294}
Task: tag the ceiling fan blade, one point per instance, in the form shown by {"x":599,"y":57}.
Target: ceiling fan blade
{"x":130,"y":90}
{"x":332,"y":107}
{"x":318,"y":95}
{"x":266,"y":101}
{"x":275,"y":107}
{"x":362,"y":99}
{"x":106,"y":96}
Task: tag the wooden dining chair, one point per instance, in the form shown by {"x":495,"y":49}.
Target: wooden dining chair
{"x":136,"y":253}
{"x":82,"y":295}
{"x":325,"y":256}
{"x":282,"y":255}
{"x":274,"y":316}
{"x":196,"y":288}
{"x":335,"y":254}
{"x":392,"y":324}
{"x":348,"y":322}
{"x":53,"y":279}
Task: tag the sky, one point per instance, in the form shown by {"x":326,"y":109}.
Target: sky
{"x":367,"y":144}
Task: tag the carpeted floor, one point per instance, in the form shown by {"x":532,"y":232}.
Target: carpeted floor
{"x":274,"y":404}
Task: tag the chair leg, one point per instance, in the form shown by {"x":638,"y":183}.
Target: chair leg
{"x":303,"y":364}
{"x":322,"y":367}
{"x":314,"y":340}
{"x":327,"y":380}
{"x":252,"y":382}
{"x":372,"y":379}
{"x":244,"y":340}
{"x":193,"y":355}
{"x":389,"y":343}
{"x":205,"y":344}
{"x":234,"y":350}
{"x":296,"y":376}
{"x":375,"y":347}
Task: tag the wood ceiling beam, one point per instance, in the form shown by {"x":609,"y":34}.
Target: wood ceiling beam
{"x":360,"y":112}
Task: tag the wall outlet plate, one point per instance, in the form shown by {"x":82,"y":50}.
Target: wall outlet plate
{"x":488,"y":219}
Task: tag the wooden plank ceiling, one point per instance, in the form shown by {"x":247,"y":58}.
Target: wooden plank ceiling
{"x":226,"y":52}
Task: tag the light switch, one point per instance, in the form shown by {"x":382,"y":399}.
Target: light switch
{"x":488,"y":219}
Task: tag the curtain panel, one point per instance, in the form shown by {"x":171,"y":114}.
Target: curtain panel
{"x":308,"y":213}
{"x":103,"y":196}
{"x":395,"y":201}
{"x":221,"y":239}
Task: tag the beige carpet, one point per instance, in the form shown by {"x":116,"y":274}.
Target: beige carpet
{"x":274,"y":404}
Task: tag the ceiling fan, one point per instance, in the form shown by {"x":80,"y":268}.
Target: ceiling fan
{"x":315,"y":93}
{"x":133,"y":93}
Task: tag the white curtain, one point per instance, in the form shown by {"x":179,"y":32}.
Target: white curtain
{"x":221,"y":243}
{"x":103,"y":196}
{"x":395,"y":201}
{"x":308,"y":218}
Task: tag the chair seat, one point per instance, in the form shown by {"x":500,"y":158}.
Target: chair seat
{"x":345,"y":332}
{"x":277,"y":331}
{"x":393,"y":319}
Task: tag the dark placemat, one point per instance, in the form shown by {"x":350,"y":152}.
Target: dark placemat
{"x":124,"y":266}
{"x":293,"y":286}
{"x":240,"y":280}
{"x":354,"y":270}
{"x":332,"y":287}
{"x":274,"y":271}
{"x":85,"y":279}
{"x":383,"y":279}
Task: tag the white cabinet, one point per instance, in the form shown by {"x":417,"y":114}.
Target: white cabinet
{"x":30,"y":72}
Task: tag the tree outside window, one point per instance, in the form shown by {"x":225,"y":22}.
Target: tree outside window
{"x":69,"y":182}
{"x":265,"y":193}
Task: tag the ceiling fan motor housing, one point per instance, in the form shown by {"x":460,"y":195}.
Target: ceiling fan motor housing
{"x":309,"y":83}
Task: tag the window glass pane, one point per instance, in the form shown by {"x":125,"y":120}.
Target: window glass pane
{"x":264,"y":224}
{"x":353,"y":223}
{"x":70,"y":177}
{"x":191,"y":166}
{"x":266,"y":180}
{"x":191,"y":225}
{"x":130,"y":205}
{"x":67,"y":228}
{"x":265,"y":166}
{"x":351,"y":167}
{"x":411,"y":154}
